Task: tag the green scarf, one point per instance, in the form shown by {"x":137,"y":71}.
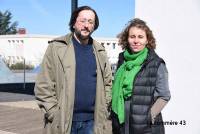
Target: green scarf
{"x":123,"y":82}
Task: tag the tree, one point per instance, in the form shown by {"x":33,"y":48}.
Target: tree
{"x":6,"y":27}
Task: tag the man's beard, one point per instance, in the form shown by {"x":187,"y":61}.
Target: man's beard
{"x":80,"y":36}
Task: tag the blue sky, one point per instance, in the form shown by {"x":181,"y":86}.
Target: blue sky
{"x":51,"y":17}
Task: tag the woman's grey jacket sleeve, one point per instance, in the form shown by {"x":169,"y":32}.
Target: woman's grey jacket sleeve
{"x":162,"y":85}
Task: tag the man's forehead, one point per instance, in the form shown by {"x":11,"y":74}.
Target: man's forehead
{"x":86,"y":13}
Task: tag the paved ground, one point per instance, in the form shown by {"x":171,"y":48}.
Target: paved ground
{"x":11,"y":97}
{"x":19,"y":114}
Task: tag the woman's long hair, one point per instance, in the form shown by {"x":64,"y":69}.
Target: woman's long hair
{"x":123,"y":36}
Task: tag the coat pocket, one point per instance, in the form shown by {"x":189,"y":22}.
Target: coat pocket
{"x":55,"y":124}
{"x":158,"y":127}
{"x":49,"y":115}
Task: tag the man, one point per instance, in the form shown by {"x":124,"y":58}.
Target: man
{"x":74,"y":85}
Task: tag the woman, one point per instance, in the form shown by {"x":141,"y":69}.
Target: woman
{"x":140,"y":89}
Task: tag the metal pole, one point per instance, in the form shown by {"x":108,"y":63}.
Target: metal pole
{"x":24,"y":85}
{"x":74,"y":5}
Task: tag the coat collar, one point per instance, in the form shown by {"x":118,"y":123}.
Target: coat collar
{"x":66,"y":50}
{"x":67,"y":39}
{"x":64,"y":39}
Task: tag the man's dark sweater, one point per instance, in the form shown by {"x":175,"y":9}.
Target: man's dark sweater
{"x":85,"y":82}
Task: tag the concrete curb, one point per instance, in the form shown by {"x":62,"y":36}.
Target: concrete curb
{"x":22,"y":104}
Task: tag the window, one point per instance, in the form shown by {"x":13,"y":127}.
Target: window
{"x":114,"y":45}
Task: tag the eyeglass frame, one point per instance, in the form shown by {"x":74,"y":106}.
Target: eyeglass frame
{"x":84,"y":21}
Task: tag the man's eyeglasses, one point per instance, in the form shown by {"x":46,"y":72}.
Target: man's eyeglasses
{"x":84,"y":21}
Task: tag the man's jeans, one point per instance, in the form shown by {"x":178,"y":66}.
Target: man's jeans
{"x":82,"y":127}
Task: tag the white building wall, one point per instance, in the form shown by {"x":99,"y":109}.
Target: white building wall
{"x":34,"y":49}
{"x":17,"y":47}
{"x":176,"y":26}
{"x":112,"y":48}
